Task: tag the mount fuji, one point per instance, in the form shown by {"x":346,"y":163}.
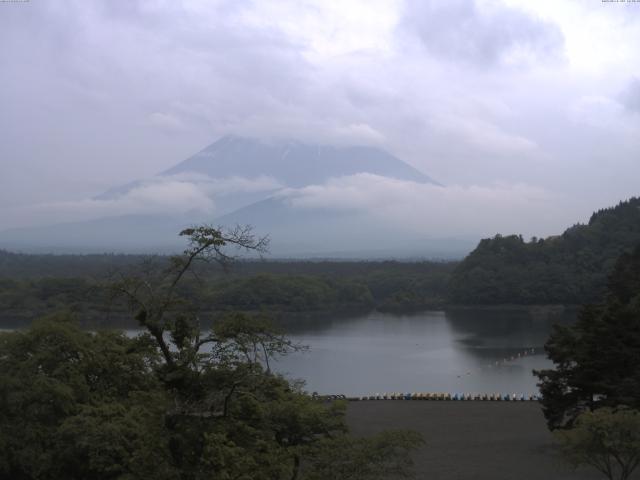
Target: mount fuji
{"x":239,"y":180}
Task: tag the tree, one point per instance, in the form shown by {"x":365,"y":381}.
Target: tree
{"x":231,"y":415}
{"x":78,"y":405}
{"x":570,"y":268}
{"x":154,"y":295}
{"x":597,"y":360}
{"x":183,"y":401}
{"x":606,"y":439}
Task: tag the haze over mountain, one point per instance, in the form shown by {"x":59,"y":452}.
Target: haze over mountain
{"x":239,"y":180}
{"x":519,"y":108}
{"x":238,"y":171}
{"x":293,"y":163}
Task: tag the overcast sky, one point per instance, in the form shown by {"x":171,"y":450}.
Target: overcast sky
{"x":505,"y":101}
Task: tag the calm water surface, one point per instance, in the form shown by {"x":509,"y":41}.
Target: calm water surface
{"x":461,"y":351}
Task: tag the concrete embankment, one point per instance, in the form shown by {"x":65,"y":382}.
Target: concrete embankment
{"x":471,"y":440}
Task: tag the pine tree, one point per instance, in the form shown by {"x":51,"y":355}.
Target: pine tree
{"x":597,"y":360}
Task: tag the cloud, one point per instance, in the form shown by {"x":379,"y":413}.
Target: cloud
{"x":361,"y":131}
{"x":166,"y":121}
{"x":226,"y":186}
{"x":630,"y":97}
{"x":436,"y":211}
{"x":162,"y":198}
{"x":483,"y":135}
{"x":597,"y":111}
{"x":482,"y":33}
{"x":95,"y":94}
{"x":214,"y":187}
{"x":186,"y":193}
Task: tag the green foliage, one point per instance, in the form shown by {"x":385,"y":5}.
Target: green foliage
{"x":607,"y":440}
{"x":78,"y":405}
{"x":289,"y":293}
{"x":596,"y":360}
{"x":571,"y":268}
{"x":179,"y":402}
{"x":280,"y":288}
{"x":24,"y":266}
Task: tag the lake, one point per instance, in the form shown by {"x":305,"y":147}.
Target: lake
{"x":470,"y":350}
{"x":465,"y":351}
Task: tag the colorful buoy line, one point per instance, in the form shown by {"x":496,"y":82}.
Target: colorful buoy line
{"x":524,"y":353}
{"x":496,"y":397}
{"x":499,"y":363}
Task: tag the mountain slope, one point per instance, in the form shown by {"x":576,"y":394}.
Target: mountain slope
{"x":337,"y":233}
{"x":570,"y":268}
{"x":240,"y":180}
{"x":292,"y":163}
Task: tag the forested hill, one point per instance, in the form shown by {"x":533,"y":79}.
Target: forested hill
{"x":571,"y":268}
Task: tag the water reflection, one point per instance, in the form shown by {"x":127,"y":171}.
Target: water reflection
{"x":457,"y":351}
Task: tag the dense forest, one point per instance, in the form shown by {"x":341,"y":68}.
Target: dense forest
{"x":571,"y":268}
{"x":567,"y":269}
{"x":31,"y":285}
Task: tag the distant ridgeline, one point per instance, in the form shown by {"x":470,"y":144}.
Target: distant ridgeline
{"x":571,"y":268}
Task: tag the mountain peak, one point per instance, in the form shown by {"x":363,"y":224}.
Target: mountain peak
{"x":293,"y":163}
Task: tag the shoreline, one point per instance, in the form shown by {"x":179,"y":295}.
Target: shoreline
{"x":121,"y":320}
